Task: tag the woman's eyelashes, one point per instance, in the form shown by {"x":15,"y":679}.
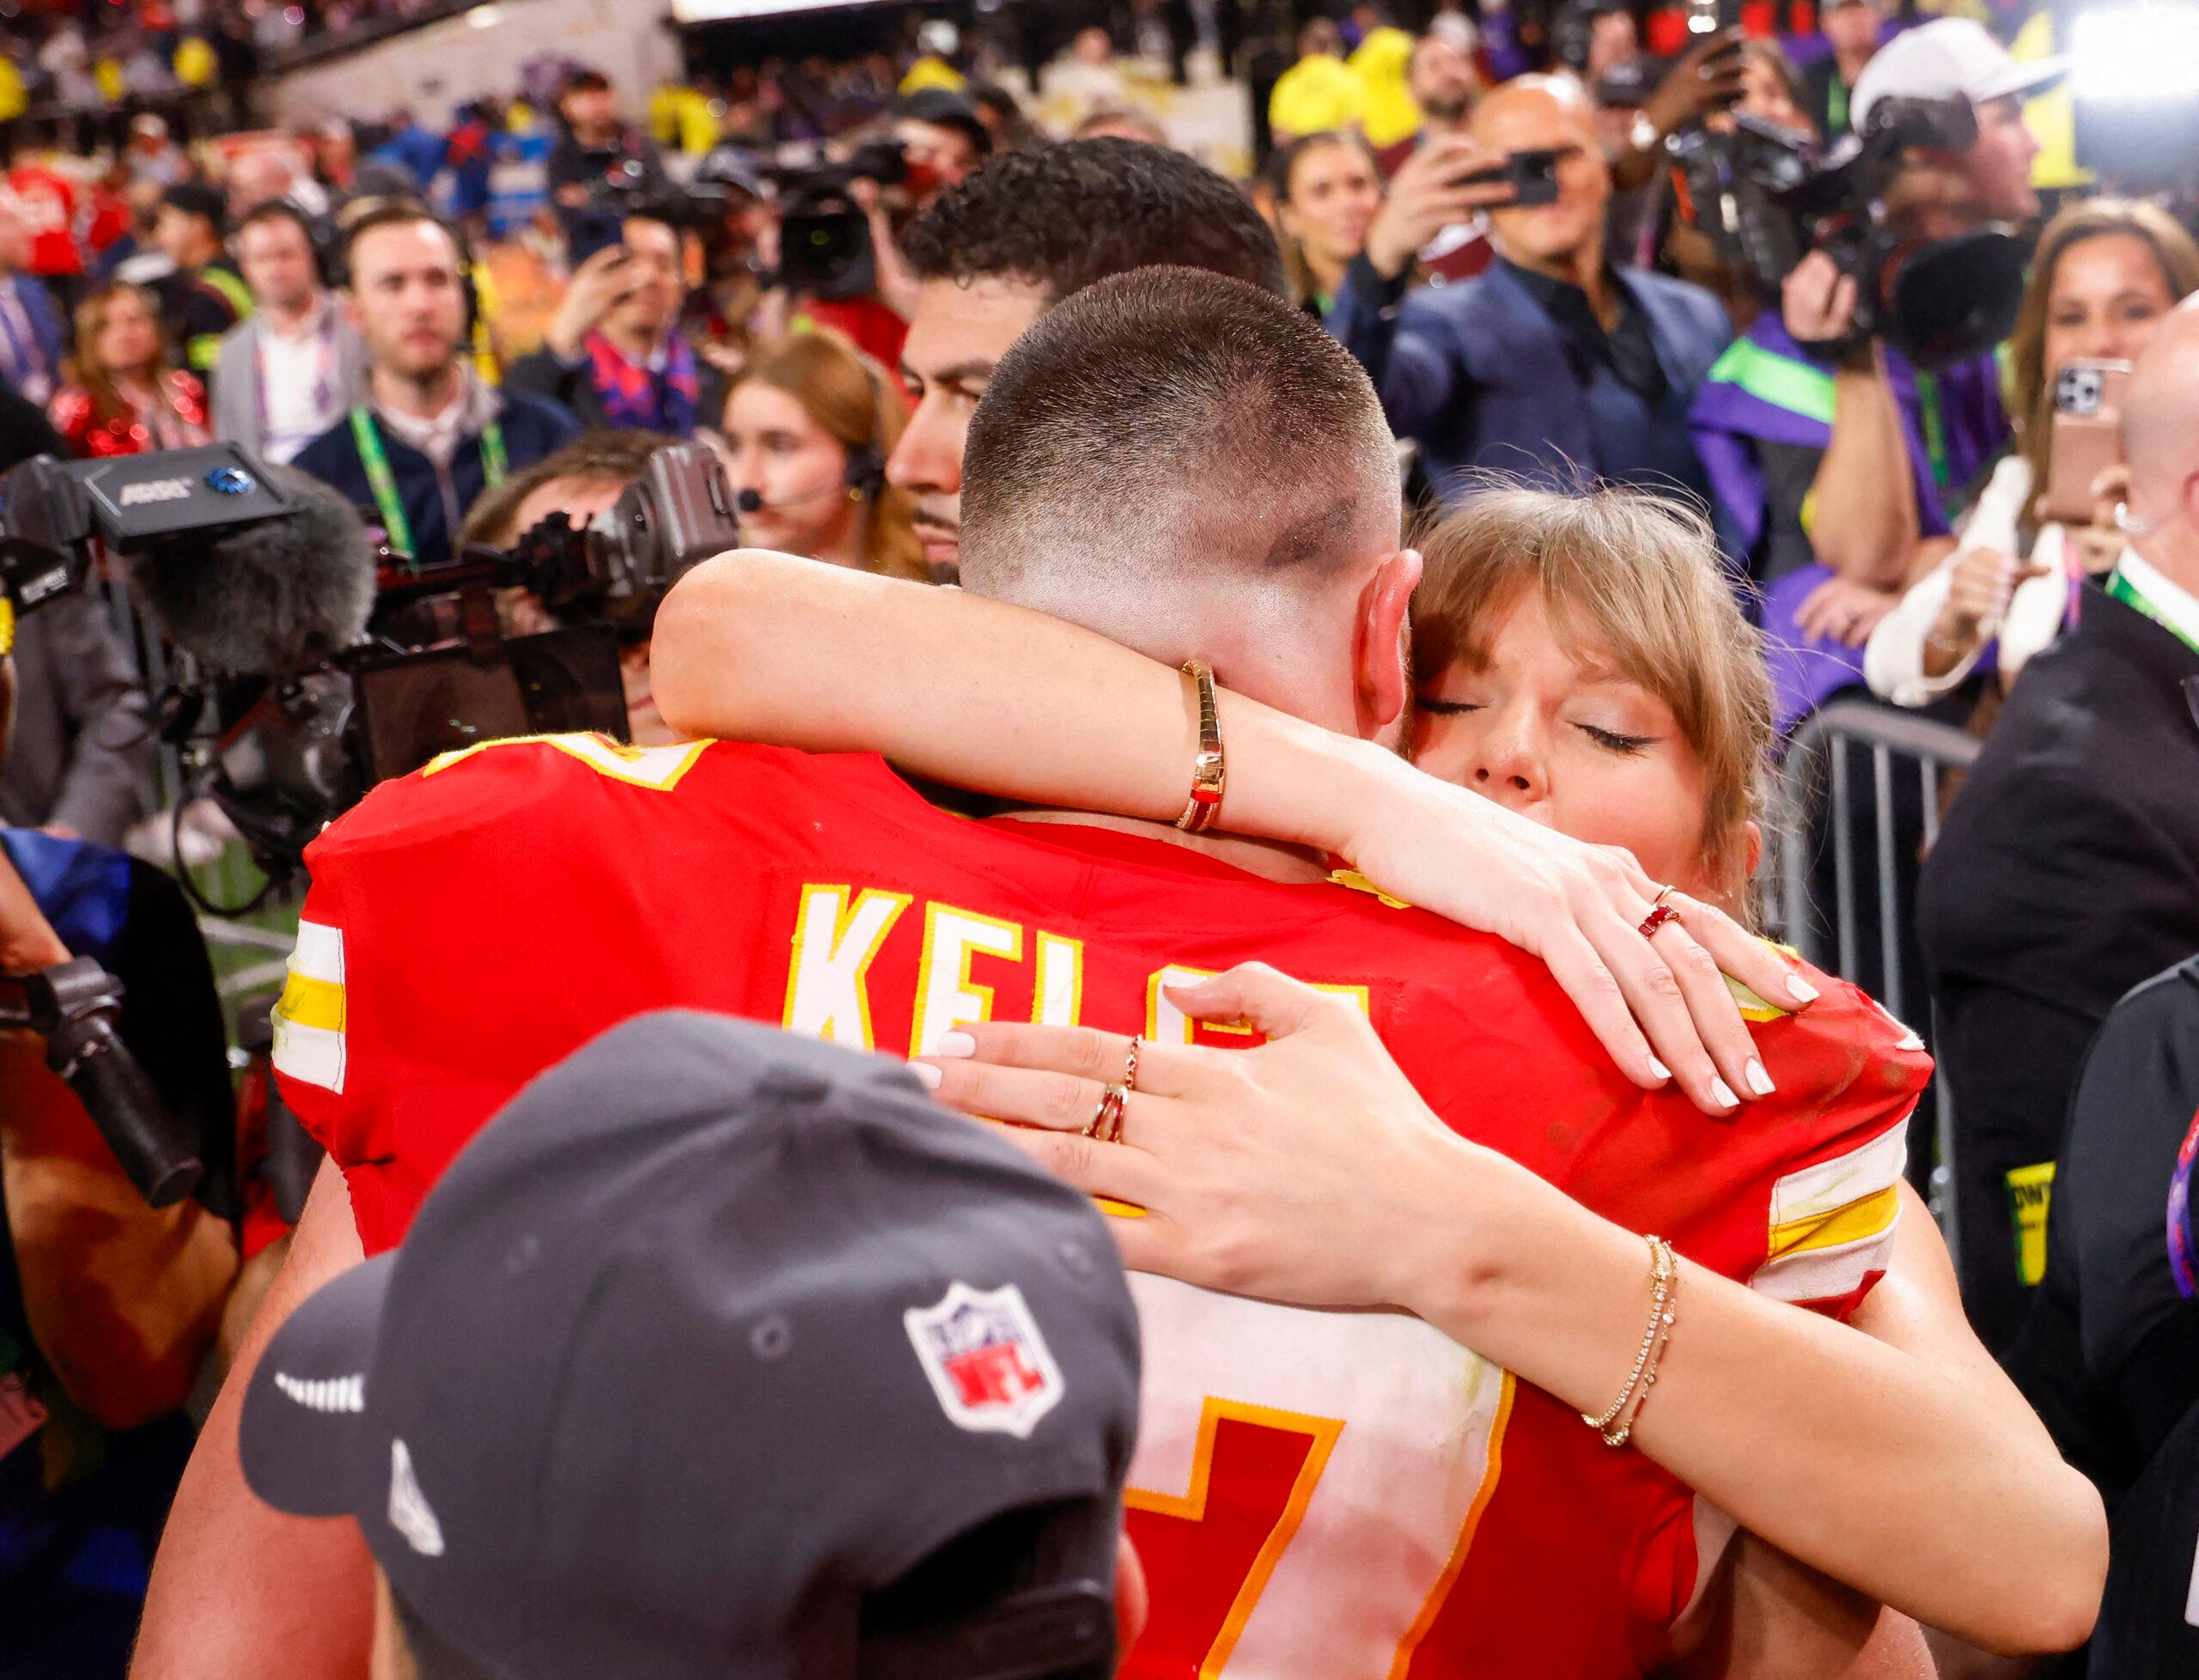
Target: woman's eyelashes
{"x":1612,"y":740}
{"x":1616,"y":742}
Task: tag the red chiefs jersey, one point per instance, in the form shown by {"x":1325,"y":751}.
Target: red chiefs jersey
{"x":1318,"y":1495}
{"x":49,"y":202}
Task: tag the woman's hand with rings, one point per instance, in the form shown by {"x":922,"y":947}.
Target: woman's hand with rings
{"x":1286,"y":1170}
{"x":1656,"y":998}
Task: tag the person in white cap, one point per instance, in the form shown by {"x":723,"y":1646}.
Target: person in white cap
{"x":1955,"y":56}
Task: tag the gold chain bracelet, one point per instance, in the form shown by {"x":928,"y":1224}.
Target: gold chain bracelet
{"x":1664,"y":1277}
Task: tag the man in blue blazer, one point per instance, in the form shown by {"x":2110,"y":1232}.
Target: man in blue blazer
{"x":1552,"y":366}
{"x":32,"y":339}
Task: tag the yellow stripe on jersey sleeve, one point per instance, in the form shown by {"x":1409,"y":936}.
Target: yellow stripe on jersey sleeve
{"x":1832,"y":1225}
{"x":1754,"y":1009}
{"x":309,"y":1002}
{"x":309,"y":1020}
{"x":658,"y":767}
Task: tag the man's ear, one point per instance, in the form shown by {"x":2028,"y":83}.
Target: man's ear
{"x":1382,"y":673}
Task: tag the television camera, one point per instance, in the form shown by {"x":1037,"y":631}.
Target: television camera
{"x":329,"y":664}
{"x":1765,"y":197}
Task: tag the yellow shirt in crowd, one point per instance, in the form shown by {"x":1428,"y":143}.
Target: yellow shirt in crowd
{"x":1383,"y":63}
{"x":194,"y":62}
{"x":1313,"y":95}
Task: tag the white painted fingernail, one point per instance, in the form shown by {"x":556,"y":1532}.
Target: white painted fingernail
{"x":1659,"y":1069}
{"x":1760,"y":1081}
{"x":952,"y":1044}
{"x":1803,"y":991}
{"x":1723,"y":1094}
{"x":927,"y":1075}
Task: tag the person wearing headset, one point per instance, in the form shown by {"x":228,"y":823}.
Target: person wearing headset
{"x":290,"y":369}
{"x":432,"y":437}
{"x":807,"y":430}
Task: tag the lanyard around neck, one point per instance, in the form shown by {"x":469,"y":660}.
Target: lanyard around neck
{"x":379,"y":479}
{"x":2122,"y":589}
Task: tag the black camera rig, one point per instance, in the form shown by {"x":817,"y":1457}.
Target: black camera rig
{"x":1765,"y":197}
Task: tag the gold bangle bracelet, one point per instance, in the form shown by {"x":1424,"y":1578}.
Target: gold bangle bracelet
{"x":1209,"y":772}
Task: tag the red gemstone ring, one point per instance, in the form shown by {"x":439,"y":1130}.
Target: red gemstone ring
{"x":1656,"y":919}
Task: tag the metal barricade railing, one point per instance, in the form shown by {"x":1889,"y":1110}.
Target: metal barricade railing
{"x":1825,"y":808}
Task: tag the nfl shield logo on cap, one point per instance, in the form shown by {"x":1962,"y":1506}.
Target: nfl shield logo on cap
{"x":986,"y":1360}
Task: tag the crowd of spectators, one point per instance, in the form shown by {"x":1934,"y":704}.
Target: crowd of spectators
{"x":1677,"y":508}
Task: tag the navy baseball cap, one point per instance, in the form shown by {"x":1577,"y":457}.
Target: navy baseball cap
{"x":943,"y":107}
{"x":723,"y":1352}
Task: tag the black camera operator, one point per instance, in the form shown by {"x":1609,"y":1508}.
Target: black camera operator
{"x":79,"y":762}
{"x":107,"y":1305}
{"x":582,"y":481}
{"x":837,"y":243}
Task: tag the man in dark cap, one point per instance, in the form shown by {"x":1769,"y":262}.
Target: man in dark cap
{"x":822,"y":1379}
{"x":942,"y":137}
{"x":205,"y":296}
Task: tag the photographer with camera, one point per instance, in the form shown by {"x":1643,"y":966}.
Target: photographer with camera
{"x":432,"y":436}
{"x":1880,"y":369}
{"x":613,"y":354}
{"x":77,"y":760}
{"x":582,"y":481}
{"x":595,"y":146}
{"x":107,"y":1306}
{"x":1552,"y":364}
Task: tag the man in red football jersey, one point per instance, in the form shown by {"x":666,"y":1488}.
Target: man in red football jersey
{"x":1328,"y":1493}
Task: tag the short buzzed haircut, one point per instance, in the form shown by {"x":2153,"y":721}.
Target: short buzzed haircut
{"x":1163,"y":427}
{"x":1061,"y":217}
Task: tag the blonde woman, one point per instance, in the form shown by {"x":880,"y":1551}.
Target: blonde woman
{"x":1583,"y":665}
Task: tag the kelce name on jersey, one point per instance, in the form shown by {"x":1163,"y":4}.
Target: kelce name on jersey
{"x":839,"y":932}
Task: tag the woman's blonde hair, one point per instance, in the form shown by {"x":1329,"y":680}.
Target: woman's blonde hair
{"x":85,"y":368}
{"x":2173,"y":249}
{"x":849,"y":397}
{"x":1640,"y":581}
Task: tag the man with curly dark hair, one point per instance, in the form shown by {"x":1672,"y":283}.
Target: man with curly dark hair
{"x":1012,"y":240}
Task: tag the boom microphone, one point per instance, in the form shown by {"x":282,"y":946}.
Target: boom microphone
{"x":752,"y":501}
{"x":271,"y":599}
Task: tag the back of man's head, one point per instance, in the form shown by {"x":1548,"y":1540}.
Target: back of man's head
{"x":1180,"y":461}
{"x":1060,"y":217}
